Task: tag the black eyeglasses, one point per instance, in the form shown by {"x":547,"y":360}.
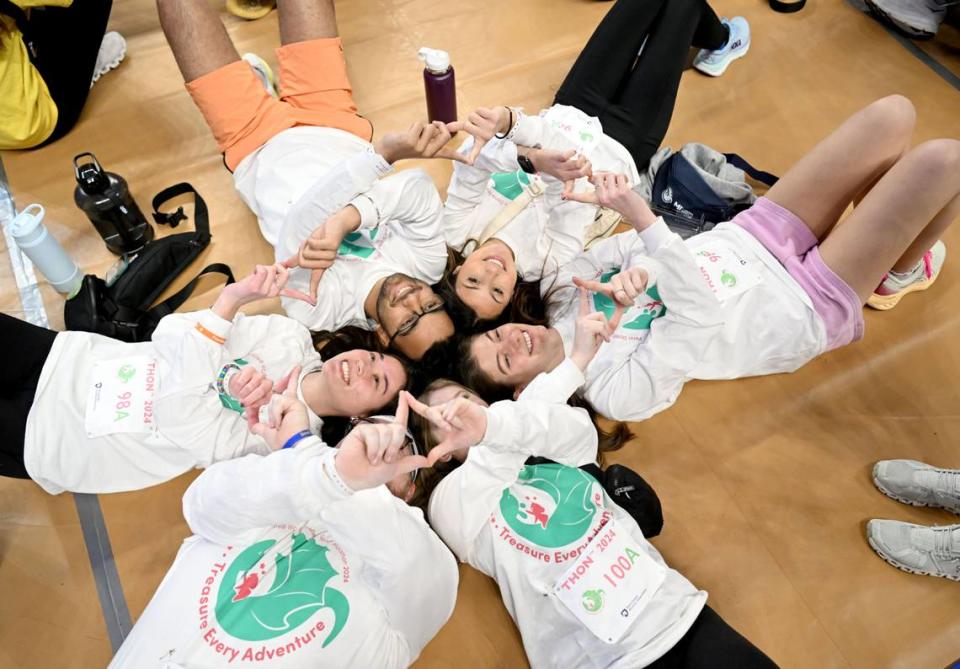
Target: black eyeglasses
{"x":411,"y":322}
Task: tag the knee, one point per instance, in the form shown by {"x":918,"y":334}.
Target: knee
{"x":938,"y":158}
{"x":892,"y":117}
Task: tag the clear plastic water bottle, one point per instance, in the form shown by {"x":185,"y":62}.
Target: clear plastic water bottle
{"x":439,"y":84}
{"x":105,"y":198}
{"x":44,"y":251}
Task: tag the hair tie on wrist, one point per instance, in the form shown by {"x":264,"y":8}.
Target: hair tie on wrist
{"x":292,"y":441}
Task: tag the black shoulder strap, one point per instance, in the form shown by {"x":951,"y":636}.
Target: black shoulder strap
{"x":172,"y":303}
{"x":201,"y":219}
{"x":758,"y":174}
{"x":19,"y":17}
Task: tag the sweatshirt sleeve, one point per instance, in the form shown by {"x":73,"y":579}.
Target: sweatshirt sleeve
{"x":468,"y":185}
{"x":289,"y":486}
{"x":562,"y":238}
{"x":555,"y":386}
{"x":545,"y":429}
{"x":331,"y":193}
{"x":638,"y":385}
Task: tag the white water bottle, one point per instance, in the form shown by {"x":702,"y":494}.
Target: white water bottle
{"x":45,"y":251}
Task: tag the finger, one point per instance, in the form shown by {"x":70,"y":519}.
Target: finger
{"x":411,"y":463}
{"x":587,"y":197}
{"x":315,"y":276}
{"x":303,"y":297}
{"x":292,"y":261}
{"x":614,"y":322}
{"x":293,"y":383}
{"x":452,"y":154}
{"x":594,"y":286}
{"x":477,"y":148}
{"x":568,"y":187}
{"x":281,"y":385}
{"x":414,"y":404}
{"x":455,"y":126}
{"x":584,"y":301}
{"x":441,"y":450}
{"x":403,"y":410}
{"x":440,"y":137}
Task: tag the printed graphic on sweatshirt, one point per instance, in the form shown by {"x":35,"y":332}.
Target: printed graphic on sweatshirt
{"x":275,"y":597}
{"x":650,"y":305}
{"x":510,"y":184}
{"x":551,"y":505}
{"x":359,"y":244}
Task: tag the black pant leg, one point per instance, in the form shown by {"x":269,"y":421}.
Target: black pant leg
{"x":28,"y":347}
{"x":67,"y":40}
{"x":638,"y":118}
{"x":710,"y":33}
{"x":609,"y":56}
{"x":711,"y":643}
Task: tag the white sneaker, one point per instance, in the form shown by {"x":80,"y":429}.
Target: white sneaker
{"x":919,"y":19}
{"x":918,"y":484}
{"x":113,"y":49}
{"x":264,"y":73}
{"x":716,"y":62}
{"x":931,"y":551}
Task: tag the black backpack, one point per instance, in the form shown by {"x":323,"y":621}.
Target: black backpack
{"x":125,"y":310}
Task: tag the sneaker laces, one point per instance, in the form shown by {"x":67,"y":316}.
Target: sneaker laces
{"x":943,"y":542}
{"x":948,"y":485}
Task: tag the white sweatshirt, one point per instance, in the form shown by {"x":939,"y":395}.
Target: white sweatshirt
{"x":288,"y":568}
{"x":304,"y":175}
{"x":182,"y":420}
{"x":549,"y":231}
{"x":682,"y":328}
{"x":526,"y":525}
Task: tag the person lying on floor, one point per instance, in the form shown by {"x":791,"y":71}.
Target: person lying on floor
{"x":306,"y":557}
{"x":764,"y":293}
{"x":87,"y":413}
{"x":367,"y":248}
{"x":506,"y":217}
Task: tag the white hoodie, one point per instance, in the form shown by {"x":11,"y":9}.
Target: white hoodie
{"x":185,"y":424}
{"x":525,"y":526}
{"x":302,"y":176}
{"x":549,"y":231}
{"x":681,"y":328}
{"x":287,"y":568}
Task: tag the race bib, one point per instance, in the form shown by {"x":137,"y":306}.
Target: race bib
{"x":726,"y":271}
{"x":120,"y":399}
{"x":611,"y":583}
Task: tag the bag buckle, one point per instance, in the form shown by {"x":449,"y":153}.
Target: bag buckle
{"x":173,"y":220}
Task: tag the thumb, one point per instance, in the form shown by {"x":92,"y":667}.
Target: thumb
{"x":292,"y":261}
{"x":584,"y":302}
{"x":594,"y":286}
{"x":614,"y":321}
{"x":455,"y":126}
{"x":291,"y":382}
{"x":315,"y":276}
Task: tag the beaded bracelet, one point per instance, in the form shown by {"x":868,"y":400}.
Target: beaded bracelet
{"x":221,"y":377}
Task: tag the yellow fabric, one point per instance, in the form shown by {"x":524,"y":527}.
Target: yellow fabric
{"x":27,"y":112}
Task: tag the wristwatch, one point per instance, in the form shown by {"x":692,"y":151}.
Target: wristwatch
{"x":526,"y":164}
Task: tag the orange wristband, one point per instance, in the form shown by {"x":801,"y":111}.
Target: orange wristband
{"x":210,"y":335}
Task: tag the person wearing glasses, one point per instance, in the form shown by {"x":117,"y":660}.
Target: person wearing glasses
{"x":306,"y":557}
{"x":364,"y":244}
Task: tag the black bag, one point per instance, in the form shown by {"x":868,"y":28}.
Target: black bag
{"x":628,"y":489}
{"x":125,"y":310}
{"x":687,"y":203}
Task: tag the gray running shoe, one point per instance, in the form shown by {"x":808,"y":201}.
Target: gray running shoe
{"x":919,"y":19}
{"x":918,"y":484}
{"x":933,"y":551}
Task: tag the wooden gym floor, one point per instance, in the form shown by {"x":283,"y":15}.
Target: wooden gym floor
{"x":765,"y":482}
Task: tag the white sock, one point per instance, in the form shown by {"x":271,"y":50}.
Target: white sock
{"x":902,"y":279}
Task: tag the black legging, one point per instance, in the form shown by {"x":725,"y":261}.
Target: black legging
{"x":64,"y":43}
{"x":634,"y":97}
{"x":27,"y":347}
{"x":711,"y":643}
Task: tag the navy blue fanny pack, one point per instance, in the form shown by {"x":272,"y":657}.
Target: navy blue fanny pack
{"x":687,"y":202}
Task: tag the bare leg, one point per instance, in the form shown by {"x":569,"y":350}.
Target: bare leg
{"x":198,"y":39}
{"x":837,"y":171}
{"x":899,"y":219}
{"x":302,"y":20}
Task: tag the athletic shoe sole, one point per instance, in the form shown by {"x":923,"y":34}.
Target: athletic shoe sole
{"x":902,"y":28}
{"x":910,"y":570}
{"x":112,"y":65}
{"x":887,"y":302}
{"x":716,"y":72}
{"x":904,"y":500}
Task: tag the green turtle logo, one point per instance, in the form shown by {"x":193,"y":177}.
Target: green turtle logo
{"x":592,"y":600}
{"x":510,"y":184}
{"x":551,"y":505}
{"x":728,"y":279}
{"x":358,"y":244}
{"x":126,"y":372}
{"x":273,"y":587}
{"x":651,"y":309}
{"x":585,"y":136}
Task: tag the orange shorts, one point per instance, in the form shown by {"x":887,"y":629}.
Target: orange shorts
{"x":314,"y":90}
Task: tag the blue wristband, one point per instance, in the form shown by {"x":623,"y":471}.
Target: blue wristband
{"x":292,"y":441}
